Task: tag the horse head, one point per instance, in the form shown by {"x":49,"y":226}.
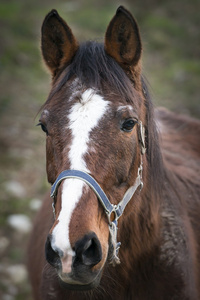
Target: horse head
{"x":94,"y":120}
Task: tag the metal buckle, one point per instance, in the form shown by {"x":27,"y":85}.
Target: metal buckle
{"x":112,"y":213}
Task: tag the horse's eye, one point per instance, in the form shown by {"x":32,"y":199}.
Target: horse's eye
{"x":128,"y":125}
{"x":43,"y":128}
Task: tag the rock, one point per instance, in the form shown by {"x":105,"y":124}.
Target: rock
{"x":35,"y":204}
{"x":15,"y":188}
{"x":17,"y":273}
{"x":20,"y":223}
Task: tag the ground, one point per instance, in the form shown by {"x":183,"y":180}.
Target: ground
{"x":170,"y":33}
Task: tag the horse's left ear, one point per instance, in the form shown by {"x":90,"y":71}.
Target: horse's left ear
{"x":58,"y":42}
{"x":122,"y":39}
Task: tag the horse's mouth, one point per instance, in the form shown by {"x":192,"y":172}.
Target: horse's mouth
{"x":80,"y":286}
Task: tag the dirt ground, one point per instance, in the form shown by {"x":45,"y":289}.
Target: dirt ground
{"x":170,"y":32}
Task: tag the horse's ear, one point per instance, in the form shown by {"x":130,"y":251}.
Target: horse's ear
{"x":58,"y":42}
{"x":122,"y":39}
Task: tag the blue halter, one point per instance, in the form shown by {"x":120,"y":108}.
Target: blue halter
{"x":113,"y":211}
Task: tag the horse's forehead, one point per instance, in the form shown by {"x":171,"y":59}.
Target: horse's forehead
{"x":76,"y":92}
{"x":90,"y":102}
{"x":90,"y":108}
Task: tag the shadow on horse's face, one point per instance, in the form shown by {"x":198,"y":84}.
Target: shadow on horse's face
{"x":90,"y":127}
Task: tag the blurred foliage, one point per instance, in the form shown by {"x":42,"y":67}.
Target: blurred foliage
{"x":171,"y":62}
{"x":172,"y":52}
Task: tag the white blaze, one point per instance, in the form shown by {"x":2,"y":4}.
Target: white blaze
{"x":83,"y":117}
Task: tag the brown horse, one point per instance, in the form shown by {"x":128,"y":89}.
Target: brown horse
{"x":114,"y":178}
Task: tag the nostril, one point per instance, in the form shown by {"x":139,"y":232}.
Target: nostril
{"x":52,"y":256}
{"x":92,"y":255}
{"x":88,"y":250}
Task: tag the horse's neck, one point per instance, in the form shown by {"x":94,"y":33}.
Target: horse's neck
{"x":139,"y":232}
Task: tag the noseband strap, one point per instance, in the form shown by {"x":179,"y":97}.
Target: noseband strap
{"x":113,"y":211}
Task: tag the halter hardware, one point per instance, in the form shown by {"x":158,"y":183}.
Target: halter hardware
{"x":110,"y":209}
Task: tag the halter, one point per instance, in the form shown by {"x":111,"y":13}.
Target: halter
{"x":113,"y":212}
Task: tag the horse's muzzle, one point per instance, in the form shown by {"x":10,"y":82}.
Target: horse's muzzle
{"x":80,"y":274}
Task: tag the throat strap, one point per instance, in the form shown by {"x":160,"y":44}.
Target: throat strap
{"x":113,"y":211}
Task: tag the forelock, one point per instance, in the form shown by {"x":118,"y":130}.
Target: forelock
{"x":95,"y":69}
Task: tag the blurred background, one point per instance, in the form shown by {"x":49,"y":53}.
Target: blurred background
{"x":171,"y":62}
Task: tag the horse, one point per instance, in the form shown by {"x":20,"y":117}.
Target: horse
{"x":123,"y":221}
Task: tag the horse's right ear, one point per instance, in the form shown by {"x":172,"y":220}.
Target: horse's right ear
{"x":58,"y":42}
